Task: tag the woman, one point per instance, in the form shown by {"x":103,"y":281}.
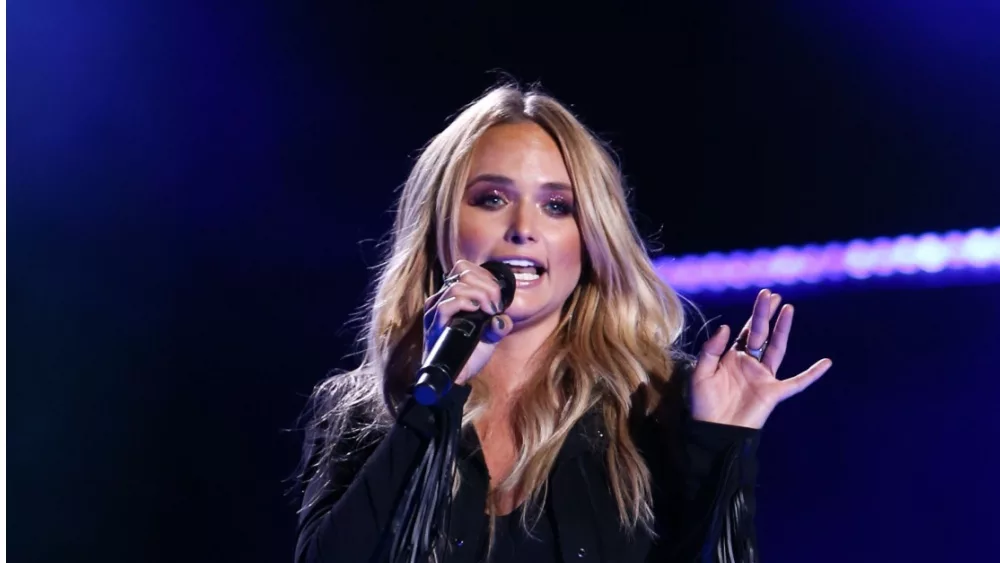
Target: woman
{"x":585,"y":434}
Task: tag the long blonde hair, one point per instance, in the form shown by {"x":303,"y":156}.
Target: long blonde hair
{"x":615,"y":335}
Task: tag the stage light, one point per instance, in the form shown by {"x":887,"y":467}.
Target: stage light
{"x":926,"y":254}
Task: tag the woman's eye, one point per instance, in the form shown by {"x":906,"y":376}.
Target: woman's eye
{"x":488,"y":200}
{"x":559,"y":207}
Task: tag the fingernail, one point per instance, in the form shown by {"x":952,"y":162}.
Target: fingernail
{"x":496,"y":308}
{"x":500,"y":323}
{"x":475,"y":302}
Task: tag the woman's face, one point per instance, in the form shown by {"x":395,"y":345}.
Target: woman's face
{"x":518,"y":207}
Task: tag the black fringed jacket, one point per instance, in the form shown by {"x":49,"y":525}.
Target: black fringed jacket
{"x":703,"y":475}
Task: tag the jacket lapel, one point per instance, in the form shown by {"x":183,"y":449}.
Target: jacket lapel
{"x":576,"y":523}
{"x":586,"y":512}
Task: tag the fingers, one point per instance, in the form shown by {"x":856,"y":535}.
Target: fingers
{"x":474,"y":275}
{"x":711,"y":351}
{"x":469,"y":288}
{"x":761,"y":318}
{"x":778,"y":342}
{"x":499,"y":327}
{"x":800,"y":382}
{"x":460,"y":296}
{"x":773,"y":301}
{"x":773,"y":307}
{"x":483,"y":281}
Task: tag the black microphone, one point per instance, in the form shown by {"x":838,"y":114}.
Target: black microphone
{"x":457,"y":342}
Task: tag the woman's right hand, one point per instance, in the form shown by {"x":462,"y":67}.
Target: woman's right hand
{"x":476,"y":289}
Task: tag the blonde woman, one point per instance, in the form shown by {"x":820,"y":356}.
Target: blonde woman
{"x":585,"y":434}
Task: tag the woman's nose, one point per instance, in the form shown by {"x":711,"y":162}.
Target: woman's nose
{"x":522,"y":228}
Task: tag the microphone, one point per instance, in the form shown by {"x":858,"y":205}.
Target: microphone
{"x":458,"y":340}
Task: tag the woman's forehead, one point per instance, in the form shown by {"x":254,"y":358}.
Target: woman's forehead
{"x":519,"y":152}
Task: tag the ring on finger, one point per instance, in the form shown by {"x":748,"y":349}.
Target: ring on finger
{"x":756,"y":353}
{"x":452,"y":279}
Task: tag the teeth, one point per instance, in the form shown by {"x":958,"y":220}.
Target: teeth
{"x":520,"y":263}
{"x":525,"y":276}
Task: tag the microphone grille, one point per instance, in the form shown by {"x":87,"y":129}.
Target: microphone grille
{"x":505,"y":278}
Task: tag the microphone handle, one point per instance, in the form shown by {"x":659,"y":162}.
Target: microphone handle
{"x":448,"y":356}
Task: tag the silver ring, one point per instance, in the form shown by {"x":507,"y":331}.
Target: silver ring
{"x":452,"y":279}
{"x":757,"y":353}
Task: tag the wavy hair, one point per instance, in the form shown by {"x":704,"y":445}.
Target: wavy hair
{"x":615,"y":335}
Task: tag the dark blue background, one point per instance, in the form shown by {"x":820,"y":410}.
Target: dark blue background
{"x":196,"y":189}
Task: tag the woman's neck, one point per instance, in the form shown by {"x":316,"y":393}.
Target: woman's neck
{"x":513,"y":364}
{"x":514,"y":361}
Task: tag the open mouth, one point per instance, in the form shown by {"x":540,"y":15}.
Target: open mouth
{"x":525,"y":270}
{"x":528,"y":274}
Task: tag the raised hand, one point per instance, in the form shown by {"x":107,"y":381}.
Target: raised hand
{"x":739,"y":386}
{"x":468,"y":287}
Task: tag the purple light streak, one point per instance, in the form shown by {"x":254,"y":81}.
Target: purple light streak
{"x":930,"y":253}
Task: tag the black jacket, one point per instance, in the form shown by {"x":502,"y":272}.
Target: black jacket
{"x":703,"y":474}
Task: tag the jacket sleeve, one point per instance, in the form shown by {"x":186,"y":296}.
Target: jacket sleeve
{"x":347,"y":504}
{"x":713,"y":503}
{"x":704,"y":477}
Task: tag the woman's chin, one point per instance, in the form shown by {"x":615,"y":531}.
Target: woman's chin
{"x":525,"y":315}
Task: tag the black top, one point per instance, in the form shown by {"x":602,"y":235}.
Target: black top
{"x":512,"y":543}
{"x":703,"y":500}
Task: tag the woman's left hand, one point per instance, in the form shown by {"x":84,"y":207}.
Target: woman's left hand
{"x":734,"y":387}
